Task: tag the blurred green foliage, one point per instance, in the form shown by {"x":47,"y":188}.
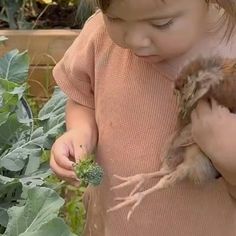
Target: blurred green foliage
{"x":25,"y":14}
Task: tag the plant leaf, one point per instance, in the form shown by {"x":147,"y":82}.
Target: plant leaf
{"x":14,"y":66}
{"x":3,"y":217}
{"x":10,"y":191}
{"x":10,"y":129}
{"x":52,"y":117}
{"x":3,"y":117}
{"x":12,"y":8}
{"x":16,"y":157}
{"x":10,"y":95}
{"x":42,"y":138}
{"x":36,"y":178}
{"x":41,"y":207}
{"x":55,"y":227}
{"x":55,"y":105}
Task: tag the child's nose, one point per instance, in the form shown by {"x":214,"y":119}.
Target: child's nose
{"x":136,"y":40}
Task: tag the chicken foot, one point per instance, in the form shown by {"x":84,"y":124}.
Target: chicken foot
{"x":135,"y":199}
{"x":138,"y":179}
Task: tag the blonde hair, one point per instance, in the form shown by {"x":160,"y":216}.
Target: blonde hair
{"x":228,"y":17}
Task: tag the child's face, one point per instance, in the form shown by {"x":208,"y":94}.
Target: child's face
{"x":157,"y":29}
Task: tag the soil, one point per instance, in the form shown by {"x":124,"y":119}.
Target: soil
{"x":50,"y":17}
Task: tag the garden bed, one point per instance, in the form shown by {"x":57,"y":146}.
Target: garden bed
{"x":45,"y":48}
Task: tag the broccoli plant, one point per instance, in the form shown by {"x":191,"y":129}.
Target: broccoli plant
{"x":88,"y":171}
{"x":27,"y":204}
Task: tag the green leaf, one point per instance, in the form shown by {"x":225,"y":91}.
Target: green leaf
{"x":10,"y":191}
{"x":55,"y":227}
{"x":10,"y":95}
{"x":42,"y":206}
{"x":14,"y":66}
{"x":3,"y":118}
{"x":12,"y":8}
{"x":3,"y":217}
{"x":5,"y":179}
{"x":36,"y":178}
{"x":57,"y":102}
{"x":43,"y":137}
{"x":16,"y":157}
{"x":24,"y":112}
{"x":52,"y":117}
{"x":9,"y":129}
{"x":54,"y":107}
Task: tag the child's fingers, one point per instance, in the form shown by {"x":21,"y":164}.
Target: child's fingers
{"x":61,"y":172}
{"x":61,"y":158}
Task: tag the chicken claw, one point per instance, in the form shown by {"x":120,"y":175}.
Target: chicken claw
{"x":168,"y":179}
{"x":138,"y":179}
{"x":134,"y":199}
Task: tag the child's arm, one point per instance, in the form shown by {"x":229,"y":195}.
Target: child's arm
{"x":74,"y":74}
{"x":79,"y":116}
{"x":82,"y":118}
{"x":214,"y":130}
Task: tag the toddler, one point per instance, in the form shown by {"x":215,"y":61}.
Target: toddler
{"x":118,"y":75}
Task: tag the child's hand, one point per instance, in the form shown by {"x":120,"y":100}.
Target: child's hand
{"x":214,"y":130}
{"x":67,"y":150}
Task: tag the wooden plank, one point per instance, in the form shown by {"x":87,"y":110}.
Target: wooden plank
{"x":41,"y":81}
{"x":45,"y":47}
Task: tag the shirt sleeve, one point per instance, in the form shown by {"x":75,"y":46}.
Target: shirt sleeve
{"x":74,"y":73}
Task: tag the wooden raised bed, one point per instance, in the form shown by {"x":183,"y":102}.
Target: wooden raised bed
{"x":45,"y":48}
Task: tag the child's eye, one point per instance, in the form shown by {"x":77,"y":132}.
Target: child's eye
{"x":163,"y":26}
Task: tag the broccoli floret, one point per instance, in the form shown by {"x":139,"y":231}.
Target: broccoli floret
{"x":88,"y":171}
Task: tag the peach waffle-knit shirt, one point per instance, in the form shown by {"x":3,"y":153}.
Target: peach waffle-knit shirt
{"x":136,"y":111}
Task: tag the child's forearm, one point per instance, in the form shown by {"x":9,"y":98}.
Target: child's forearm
{"x":80,"y":117}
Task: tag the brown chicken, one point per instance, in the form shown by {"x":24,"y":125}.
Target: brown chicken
{"x":203,"y":78}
